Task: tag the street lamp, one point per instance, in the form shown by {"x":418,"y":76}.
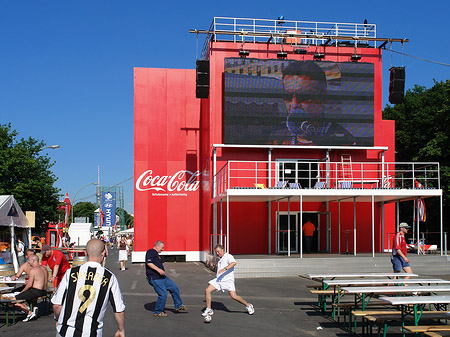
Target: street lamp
{"x":74,"y":198}
{"x":53,"y":147}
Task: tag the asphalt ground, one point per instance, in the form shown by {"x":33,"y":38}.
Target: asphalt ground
{"x":283,"y":307}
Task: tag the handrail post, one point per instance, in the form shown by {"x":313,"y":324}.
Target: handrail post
{"x":445,"y":242}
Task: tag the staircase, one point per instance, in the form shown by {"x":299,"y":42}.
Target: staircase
{"x":281,"y":266}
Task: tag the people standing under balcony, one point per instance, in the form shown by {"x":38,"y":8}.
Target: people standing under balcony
{"x":308,"y":229}
{"x":399,"y":250}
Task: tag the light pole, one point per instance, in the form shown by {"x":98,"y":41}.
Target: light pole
{"x":74,"y":198}
{"x":53,"y":147}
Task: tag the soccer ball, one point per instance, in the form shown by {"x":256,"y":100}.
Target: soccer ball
{"x":208,"y":319}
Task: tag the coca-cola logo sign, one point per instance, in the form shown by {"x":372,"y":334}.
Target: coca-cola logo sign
{"x":178,"y":184}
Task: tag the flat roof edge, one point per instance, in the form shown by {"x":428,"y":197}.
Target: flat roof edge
{"x":303,"y":147}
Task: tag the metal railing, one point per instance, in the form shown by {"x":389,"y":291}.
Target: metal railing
{"x":365,"y":175}
{"x":429,"y":242}
{"x":246,"y":30}
{"x":217,"y":239}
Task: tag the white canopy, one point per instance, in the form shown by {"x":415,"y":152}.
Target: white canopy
{"x":9,"y":205}
{"x":126,"y":231}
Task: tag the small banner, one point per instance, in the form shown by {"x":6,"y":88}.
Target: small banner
{"x":13,"y":211}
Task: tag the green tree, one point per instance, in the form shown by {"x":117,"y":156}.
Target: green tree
{"x":26,"y":174}
{"x":422,"y":122}
{"x":128,"y":219}
{"x":84,"y":209}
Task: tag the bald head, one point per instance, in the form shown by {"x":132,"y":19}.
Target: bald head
{"x":95,"y":249}
{"x":33,"y":261}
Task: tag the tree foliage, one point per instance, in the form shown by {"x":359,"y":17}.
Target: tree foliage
{"x":422,"y":122}
{"x":84,"y":209}
{"x":26,"y":174}
{"x":128,"y":218}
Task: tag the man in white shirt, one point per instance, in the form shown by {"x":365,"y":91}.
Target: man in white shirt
{"x":224,"y":281}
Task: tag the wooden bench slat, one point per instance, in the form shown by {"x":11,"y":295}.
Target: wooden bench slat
{"x":360,"y":313}
{"x":322,"y":292}
{"x":426,"y":328}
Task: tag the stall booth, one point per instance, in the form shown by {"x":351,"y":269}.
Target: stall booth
{"x":13,"y":224}
{"x":55,"y":234}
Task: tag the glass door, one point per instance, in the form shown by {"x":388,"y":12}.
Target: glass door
{"x":284,"y":229}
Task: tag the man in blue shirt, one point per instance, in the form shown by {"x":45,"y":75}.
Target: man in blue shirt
{"x":162,"y":284}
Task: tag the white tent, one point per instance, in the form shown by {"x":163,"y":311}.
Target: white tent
{"x":11,"y":215}
{"x":126,"y":231}
{"x":18,"y":219}
{"x":80,"y":233}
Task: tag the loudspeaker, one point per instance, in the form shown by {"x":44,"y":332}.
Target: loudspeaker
{"x":202,"y":79}
{"x":397,"y":85}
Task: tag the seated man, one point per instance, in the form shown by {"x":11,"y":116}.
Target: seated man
{"x":35,"y":287}
{"x":25,"y":268}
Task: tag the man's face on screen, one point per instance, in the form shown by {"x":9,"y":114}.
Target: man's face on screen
{"x":302,"y":96}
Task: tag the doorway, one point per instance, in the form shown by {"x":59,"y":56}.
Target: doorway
{"x":313,"y":246}
{"x":287,"y":232}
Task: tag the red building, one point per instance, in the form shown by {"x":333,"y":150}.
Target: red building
{"x":291,"y":130}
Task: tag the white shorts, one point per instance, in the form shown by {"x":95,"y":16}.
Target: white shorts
{"x":222,"y":285}
{"x":123,"y":255}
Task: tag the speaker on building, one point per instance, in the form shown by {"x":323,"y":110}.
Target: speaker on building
{"x":397,"y":85}
{"x":202,"y":79}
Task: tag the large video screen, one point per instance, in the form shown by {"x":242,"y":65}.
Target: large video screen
{"x":286,"y":102}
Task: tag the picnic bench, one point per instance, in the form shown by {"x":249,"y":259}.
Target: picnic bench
{"x":414,"y":306}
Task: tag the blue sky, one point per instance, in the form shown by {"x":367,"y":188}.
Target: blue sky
{"x":67,"y":66}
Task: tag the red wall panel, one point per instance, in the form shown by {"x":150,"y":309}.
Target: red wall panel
{"x":166,"y":143}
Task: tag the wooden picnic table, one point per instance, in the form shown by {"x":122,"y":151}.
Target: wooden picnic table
{"x":4,"y":290}
{"x":364,"y":294}
{"x":414,"y":305}
{"x":358,"y":275}
{"x":7,"y":280}
{"x":338,"y":284}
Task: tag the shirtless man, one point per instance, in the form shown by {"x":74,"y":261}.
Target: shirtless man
{"x":25,"y":268}
{"x":35,"y":287}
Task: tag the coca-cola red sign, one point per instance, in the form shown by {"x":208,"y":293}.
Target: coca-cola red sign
{"x":178,"y":184}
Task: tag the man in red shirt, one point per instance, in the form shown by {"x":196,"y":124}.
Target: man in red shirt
{"x":399,"y":260}
{"x":308,"y":229}
{"x":57,"y":263}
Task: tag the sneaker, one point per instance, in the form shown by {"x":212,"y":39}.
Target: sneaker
{"x":182,"y":308}
{"x":30,"y":317}
{"x":250,"y":309}
{"x":208,"y":312}
{"x":160,"y":314}
{"x":35,"y":310}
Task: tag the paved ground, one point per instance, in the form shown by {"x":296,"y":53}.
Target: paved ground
{"x":283,"y":306}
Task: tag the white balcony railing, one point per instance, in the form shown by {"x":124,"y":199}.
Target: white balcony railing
{"x":253,"y":30}
{"x":365,"y":175}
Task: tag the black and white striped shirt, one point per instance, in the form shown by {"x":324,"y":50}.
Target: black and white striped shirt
{"x":84,"y":293}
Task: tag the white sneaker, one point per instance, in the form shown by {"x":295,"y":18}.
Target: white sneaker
{"x":208,"y":312}
{"x":250,"y":309}
{"x":30,"y":317}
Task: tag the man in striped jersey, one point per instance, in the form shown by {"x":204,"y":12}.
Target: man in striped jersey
{"x":81,"y":298}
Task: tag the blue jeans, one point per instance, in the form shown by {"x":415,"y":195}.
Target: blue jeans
{"x":162,"y":286}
